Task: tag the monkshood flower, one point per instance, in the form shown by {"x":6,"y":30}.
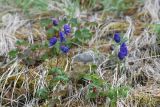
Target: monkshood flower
{"x":123,"y":44}
{"x":64,"y":49}
{"x":123,"y":51}
{"x":67,"y":29}
{"x":62,"y":36}
{"x":55,"y":22}
{"x":117,"y":37}
{"x":123,"y":48}
{"x":52,"y":41}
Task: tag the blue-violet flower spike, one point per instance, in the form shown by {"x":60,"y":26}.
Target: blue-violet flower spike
{"x":64,"y":49}
{"x":67,"y":29}
{"x":121,"y":56}
{"x":55,"y":22}
{"x":123,"y":51}
{"x":117,"y":37}
{"x":52,"y":41}
{"x":62,"y":36}
{"x":123,"y":45}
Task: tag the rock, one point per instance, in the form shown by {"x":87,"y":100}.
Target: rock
{"x":88,"y":57}
{"x":85,"y":57}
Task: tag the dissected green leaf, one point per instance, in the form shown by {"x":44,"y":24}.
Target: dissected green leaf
{"x":45,"y":22}
{"x":61,"y":78}
{"x":42,"y":93}
{"x":83,"y":35}
{"x":13,"y":53}
{"x":55,"y":70}
{"x":74,"y":21}
{"x":21,"y":42}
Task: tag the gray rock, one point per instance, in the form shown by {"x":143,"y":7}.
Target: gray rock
{"x":87,"y":57}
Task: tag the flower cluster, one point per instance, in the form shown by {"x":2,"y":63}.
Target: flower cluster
{"x":62,"y":36}
{"x":67,"y":29}
{"x":55,"y":22}
{"x":123,"y":51}
{"x":117,"y":38}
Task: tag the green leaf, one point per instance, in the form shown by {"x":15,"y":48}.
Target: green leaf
{"x":52,"y":84}
{"x":34,"y":47}
{"x":91,"y":95}
{"x":13,"y":53}
{"x":113,"y":103}
{"x":56,"y":28}
{"x":78,"y":34}
{"x":103,"y":94}
{"x":94,"y":66}
{"x":74,"y":21}
{"x":61,"y":78}
{"x":42,"y":93}
{"x":44,"y":57}
{"x":55,"y":50}
{"x":45,"y":22}
{"x":112,"y":94}
{"x":50,"y":33}
{"x":21,"y":42}
{"x":69,"y":42}
{"x":83,"y":35}
{"x":96,"y":80}
{"x":123,"y":91}
{"x":55,"y":70}
{"x":86,"y":33}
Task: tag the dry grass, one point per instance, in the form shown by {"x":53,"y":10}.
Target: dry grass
{"x":18,"y":81}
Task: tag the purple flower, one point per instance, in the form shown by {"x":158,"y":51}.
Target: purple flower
{"x":55,"y":22}
{"x":123,"y":51}
{"x":52,"y":41}
{"x":62,"y":36}
{"x":67,"y":29}
{"x":121,"y":56}
{"x":123,"y":45}
{"x":64,"y":49}
{"x":117,"y":37}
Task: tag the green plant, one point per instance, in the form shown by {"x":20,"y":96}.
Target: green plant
{"x":115,"y":93}
{"x":79,"y":36}
{"x":95,"y":85}
{"x":25,"y":52}
{"x":120,"y":49}
{"x":58,"y":76}
{"x":62,"y":37}
{"x":98,"y":88}
{"x":42,"y":93}
{"x":13,"y":53}
{"x":82,"y":35}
